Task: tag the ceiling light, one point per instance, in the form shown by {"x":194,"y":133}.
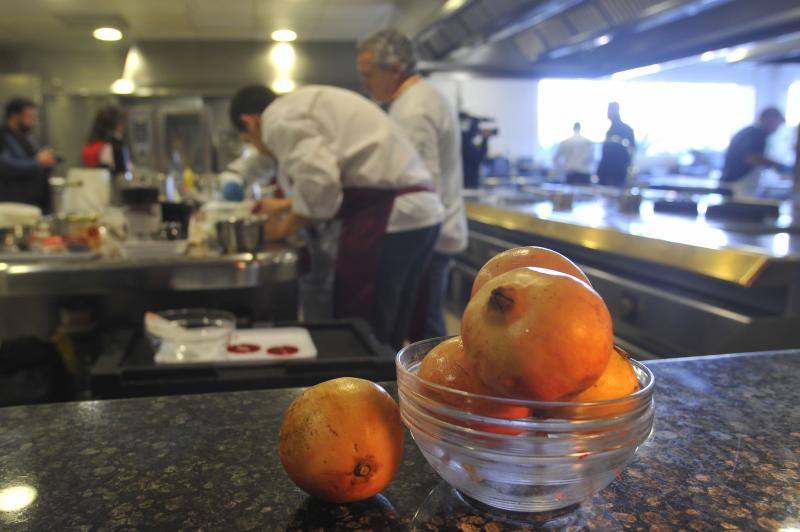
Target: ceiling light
{"x":452,"y":5}
{"x":636,"y":72}
{"x":107,"y":34}
{"x":123,"y":86}
{"x":708,"y":56}
{"x":283,"y":85}
{"x":737,"y":55}
{"x":282,"y":56}
{"x":16,"y":498}
{"x":283,"y":35}
{"x":602,"y":40}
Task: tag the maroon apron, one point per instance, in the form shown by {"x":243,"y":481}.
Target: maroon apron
{"x":364,"y":214}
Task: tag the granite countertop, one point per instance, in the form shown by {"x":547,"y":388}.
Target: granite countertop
{"x":724,"y":456}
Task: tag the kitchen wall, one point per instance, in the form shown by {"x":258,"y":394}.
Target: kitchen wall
{"x":71,"y":72}
{"x":511,"y":102}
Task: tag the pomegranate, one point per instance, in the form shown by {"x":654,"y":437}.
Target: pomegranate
{"x":526,"y":256}
{"x":342,"y":440}
{"x":447,"y":365}
{"x":536,"y":333}
{"x":618,"y":380}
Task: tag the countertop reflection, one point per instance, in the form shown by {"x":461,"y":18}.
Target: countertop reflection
{"x":724,"y":455}
{"x":776,"y":238}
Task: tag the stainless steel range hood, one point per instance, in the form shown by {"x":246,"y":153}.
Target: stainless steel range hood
{"x":208,"y":68}
{"x":590,"y":38}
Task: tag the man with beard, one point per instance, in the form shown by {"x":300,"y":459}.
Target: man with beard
{"x":24,"y":167}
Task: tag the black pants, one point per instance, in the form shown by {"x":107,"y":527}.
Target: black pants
{"x":403,"y":258}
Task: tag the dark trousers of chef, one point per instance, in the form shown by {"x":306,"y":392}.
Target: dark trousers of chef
{"x":404,"y":258}
{"x":377,"y":273}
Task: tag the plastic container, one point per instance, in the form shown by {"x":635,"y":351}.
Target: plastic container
{"x":559,"y":455}
{"x":202,"y":333}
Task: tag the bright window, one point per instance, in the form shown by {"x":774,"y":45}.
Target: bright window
{"x":667,"y":117}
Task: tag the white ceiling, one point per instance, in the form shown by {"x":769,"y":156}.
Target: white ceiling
{"x":68,"y":23}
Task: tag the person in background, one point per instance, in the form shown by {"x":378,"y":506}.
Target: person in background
{"x":386,"y":62}
{"x":474,"y":147}
{"x":339,"y":155}
{"x":24,"y":166}
{"x":105,"y":146}
{"x":745,"y":153}
{"x":575,"y":156}
{"x":618,"y":150}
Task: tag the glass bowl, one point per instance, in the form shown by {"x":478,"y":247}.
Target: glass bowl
{"x":520,"y":455}
{"x":203,"y":334}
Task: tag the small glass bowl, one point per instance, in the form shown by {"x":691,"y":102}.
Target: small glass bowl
{"x":520,"y":455}
{"x":205,"y":334}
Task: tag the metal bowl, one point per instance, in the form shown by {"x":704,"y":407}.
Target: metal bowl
{"x":241,"y":235}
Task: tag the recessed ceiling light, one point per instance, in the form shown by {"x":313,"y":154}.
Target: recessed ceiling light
{"x":737,"y":55}
{"x":282,"y":56}
{"x":283,"y":35}
{"x":452,"y":5}
{"x":602,"y":40}
{"x":123,"y":86}
{"x":107,"y":34}
{"x":708,"y":56}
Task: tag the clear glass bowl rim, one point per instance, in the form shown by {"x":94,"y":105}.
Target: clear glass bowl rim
{"x":642,"y":394}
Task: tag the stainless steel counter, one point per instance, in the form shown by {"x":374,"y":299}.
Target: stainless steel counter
{"x":675,"y":285}
{"x":112,"y":275}
{"x":719,"y":251}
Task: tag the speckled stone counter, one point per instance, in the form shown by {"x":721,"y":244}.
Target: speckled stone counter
{"x":724,"y":456}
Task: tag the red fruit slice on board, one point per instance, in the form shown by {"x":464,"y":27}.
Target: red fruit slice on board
{"x":282,"y":350}
{"x":243,"y":349}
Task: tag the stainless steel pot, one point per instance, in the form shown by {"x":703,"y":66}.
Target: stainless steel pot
{"x":241,"y":235}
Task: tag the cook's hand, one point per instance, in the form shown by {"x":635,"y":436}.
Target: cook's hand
{"x":46,"y":158}
{"x":272,"y":206}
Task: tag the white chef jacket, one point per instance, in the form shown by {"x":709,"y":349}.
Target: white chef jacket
{"x":432,"y":125}
{"x":578,"y":154}
{"x":327,"y":138}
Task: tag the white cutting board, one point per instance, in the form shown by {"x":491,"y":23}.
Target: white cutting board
{"x":267,"y":346}
{"x":277,"y":344}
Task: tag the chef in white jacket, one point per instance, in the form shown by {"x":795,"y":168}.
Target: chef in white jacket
{"x":386,"y":62}
{"x":338,"y":155}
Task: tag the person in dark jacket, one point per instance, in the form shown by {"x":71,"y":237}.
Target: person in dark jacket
{"x":618,"y":150}
{"x":474,"y":146}
{"x":746,"y":151}
{"x":24,"y":166}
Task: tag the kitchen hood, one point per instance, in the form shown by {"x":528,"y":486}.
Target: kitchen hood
{"x":593,"y":38}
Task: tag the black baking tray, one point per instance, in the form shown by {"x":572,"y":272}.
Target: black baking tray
{"x":678,"y":207}
{"x":345,"y":348}
{"x":742,"y":211}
